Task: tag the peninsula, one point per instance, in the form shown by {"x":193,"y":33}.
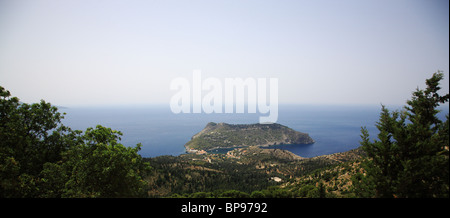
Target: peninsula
{"x":223,"y":135}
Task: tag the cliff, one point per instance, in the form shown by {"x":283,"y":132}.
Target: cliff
{"x":223,"y":135}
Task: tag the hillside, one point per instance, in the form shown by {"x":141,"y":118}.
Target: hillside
{"x":247,"y":170}
{"x":223,"y":135}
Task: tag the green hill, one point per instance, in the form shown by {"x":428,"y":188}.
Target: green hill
{"x":223,"y":135}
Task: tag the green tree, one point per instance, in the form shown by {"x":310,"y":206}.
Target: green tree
{"x":201,"y":195}
{"x":411,"y":156}
{"x":234,"y":194}
{"x":30,"y":136}
{"x":322,"y":191}
{"x":257,"y":194}
{"x":100,"y":166}
{"x":362,"y":186}
{"x":40,"y":157}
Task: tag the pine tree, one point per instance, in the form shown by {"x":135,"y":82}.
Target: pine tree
{"x":411,"y":156}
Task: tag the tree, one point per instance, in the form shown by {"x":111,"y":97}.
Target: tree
{"x":40,"y":157}
{"x":322,"y":191}
{"x":257,"y":194}
{"x":234,"y":194}
{"x":362,"y":186}
{"x":411,"y":156}
{"x":30,"y":136}
{"x":102,"y":167}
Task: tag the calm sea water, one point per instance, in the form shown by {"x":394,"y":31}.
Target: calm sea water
{"x":334,"y":128}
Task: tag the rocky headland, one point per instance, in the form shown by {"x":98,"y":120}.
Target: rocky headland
{"x":223,"y":135}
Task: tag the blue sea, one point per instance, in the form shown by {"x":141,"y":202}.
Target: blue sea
{"x":161,"y":132}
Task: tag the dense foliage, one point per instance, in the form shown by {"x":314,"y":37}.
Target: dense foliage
{"x":411,"y":156}
{"x":40,"y":157}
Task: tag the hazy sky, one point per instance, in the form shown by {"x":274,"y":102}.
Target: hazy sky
{"x":92,"y":52}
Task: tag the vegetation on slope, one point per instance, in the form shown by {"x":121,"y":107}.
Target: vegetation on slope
{"x":244,"y":170}
{"x":223,"y":135}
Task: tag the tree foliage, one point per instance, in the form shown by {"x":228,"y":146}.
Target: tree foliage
{"x":40,"y":157}
{"x":410,"y":158}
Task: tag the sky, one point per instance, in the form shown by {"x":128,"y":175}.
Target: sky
{"x":110,"y":52}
